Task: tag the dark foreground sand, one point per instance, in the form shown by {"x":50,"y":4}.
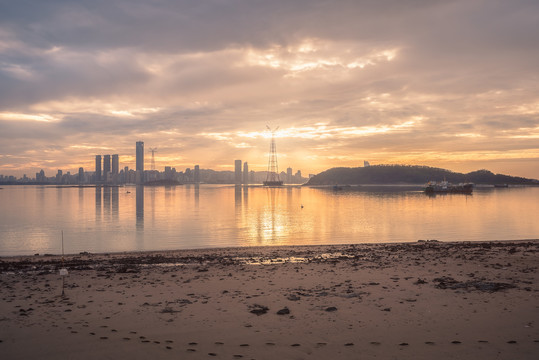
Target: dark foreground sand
{"x":394,"y":301}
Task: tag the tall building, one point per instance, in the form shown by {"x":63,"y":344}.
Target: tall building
{"x":40,"y":176}
{"x":97,"y":169}
{"x":106,"y":168}
{"x":237,"y":177}
{"x":168,"y":173}
{"x":81,"y":175}
{"x":245,"y":173}
{"x":289,"y":175}
{"x":140,"y":162}
{"x":197,"y":174}
{"x":115,"y":165}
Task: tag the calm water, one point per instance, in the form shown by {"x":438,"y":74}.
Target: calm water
{"x":189,"y":216}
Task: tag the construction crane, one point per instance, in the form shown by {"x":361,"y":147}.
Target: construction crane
{"x":153,"y":151}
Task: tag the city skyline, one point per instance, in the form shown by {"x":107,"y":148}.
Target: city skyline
{"x":449,"y":84}
{"x":107,"y":172}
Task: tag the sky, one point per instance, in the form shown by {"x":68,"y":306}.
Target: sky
{"x":451,"y":84}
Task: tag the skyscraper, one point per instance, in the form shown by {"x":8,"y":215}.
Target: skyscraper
{"x":197,"y":174}
{"x":289,"y":175}
{"x":97,"y":169}
{"x":245,"y":173}
{"x":81,"y":175}
{"x":237,"y":172}
{"x":106,"y":168}
{"x":115,"y":165}
{"x":140,"y":162}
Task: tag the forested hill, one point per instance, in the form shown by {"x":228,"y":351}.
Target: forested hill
{"x":405,"y":174}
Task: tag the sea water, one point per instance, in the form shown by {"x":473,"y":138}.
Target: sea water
{"x":130,"y":218}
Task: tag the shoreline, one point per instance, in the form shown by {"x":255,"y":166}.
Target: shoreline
{"x":262,"y":248}
{"x":449,"y":300}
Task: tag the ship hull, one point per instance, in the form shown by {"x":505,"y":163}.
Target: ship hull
{"x":449,"y":189}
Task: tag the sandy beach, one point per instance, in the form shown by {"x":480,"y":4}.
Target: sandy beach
{"x":388,"y":301}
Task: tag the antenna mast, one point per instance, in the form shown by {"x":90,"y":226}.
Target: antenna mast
{"x":272,"y":178}
{"x":153,"y":151}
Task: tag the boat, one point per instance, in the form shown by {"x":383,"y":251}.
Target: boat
{"x":501,"y":185}
{"x":445,"y":187}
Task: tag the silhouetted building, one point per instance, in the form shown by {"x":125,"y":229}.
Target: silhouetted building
{"x":197,"y":174}
{"x":106,"y":168}
{"x":168,"y":173}
{"x":289,"y":175}
{"x":106,"y":164}
{"x":81,"y":175}
{"x":97,"y":168}
{"x":237,"y":177}
{"x":115,"y":165}
{"x":40,"y":176}
{"x":59,"y":177}
{"x":245,"y":173}
{"x":140,"y":162}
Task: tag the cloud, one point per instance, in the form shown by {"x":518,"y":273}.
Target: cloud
{"x":345,"y":80}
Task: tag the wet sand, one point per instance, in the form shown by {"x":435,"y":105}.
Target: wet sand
{"x":390,"y":301}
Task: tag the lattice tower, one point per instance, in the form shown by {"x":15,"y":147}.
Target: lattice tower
{"x":273,"y":169}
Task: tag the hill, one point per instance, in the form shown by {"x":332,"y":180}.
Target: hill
{"x":407,"y":174}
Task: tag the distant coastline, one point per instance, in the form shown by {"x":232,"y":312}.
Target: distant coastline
{"x":410,"y":175}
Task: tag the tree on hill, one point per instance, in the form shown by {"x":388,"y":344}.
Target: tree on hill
{"x":409,"y":174}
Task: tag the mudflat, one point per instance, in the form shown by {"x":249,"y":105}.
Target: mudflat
{"x":425,"y":300}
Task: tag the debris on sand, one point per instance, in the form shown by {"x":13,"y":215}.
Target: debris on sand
{"x":258,"y":309}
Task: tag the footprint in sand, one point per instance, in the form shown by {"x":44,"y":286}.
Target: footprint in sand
{"x":193,"y":343}
{"x":455,"y":342}
{"x":429,"y":342}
